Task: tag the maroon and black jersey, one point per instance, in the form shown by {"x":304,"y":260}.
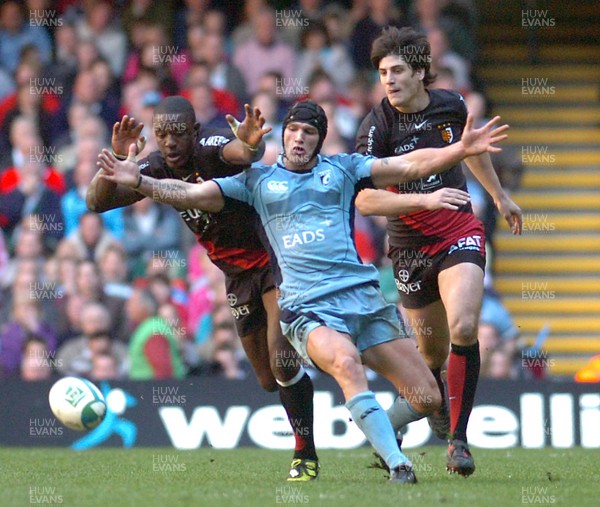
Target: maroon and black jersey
{"x":387,"y":132}
{"x":231,"y":237}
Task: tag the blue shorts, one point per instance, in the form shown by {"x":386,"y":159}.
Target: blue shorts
{"x":360,"y":312}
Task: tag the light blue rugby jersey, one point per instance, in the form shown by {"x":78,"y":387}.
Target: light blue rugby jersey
{"x":308,"y":217}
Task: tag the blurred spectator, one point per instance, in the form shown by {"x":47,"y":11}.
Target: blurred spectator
{"x":30,"y":196}
{"x":147,"y":12}
{"x":381,"y":13}
{"x":67,"y":274}
{"x":87,"y":91}
{"x":500,"y":366}
{"x":456,"y":20}
{"x":223,"y":75}
{"x":28,"y":246}
{"x":69,"y":323}
{"x":75,"y":357}
{"x":264,"y":52}
{"x":26,"y":321}
{"x":204,"y":280}
{"x":334,"y":142}
{"x":16,"y":33}
{"x":443,"y":56}
{"x":207,"y":114}
{"x":87,"y":54}
{"x":149,"y":227}
{"x":358,"y":95}
{"x":29,"y":104}
{"x":105,"y":367}
{"x":36,"y":363}
{"x":444,"y":79}
{"x":322,"y":90}
{"x":311,"y":9}
{"x":99,"y":26}
{"x":113,"y":266}
{"x":268,"y":105}
{"x":245,"y":29}
{"x":498,"y":335}
{"x":3,"y":258}
{"x":222,"y":353}
{"x":153,"y":348}
{"x":90,"y":239}
{"x":66,"y":141}
{"x":191,"y":14}
{"x":91,"y":290}
{"x":73,"y":202}
{"x":64,"y":67}
{"x":224,"y":101}
{"x":215,"y":22}
{"x":318,"y":52}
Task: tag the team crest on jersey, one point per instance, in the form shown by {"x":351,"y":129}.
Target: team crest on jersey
{"x":325,"y":177}
{"x":447,"y":135}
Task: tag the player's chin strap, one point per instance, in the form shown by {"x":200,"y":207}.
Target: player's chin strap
{"x":140,"y":143}
{"x":235,"y":125}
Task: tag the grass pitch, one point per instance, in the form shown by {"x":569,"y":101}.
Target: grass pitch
{"x":255,"y":477}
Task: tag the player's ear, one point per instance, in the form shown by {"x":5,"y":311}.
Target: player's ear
{"x":196,"y":130}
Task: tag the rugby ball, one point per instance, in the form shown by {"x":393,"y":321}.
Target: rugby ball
{"x":77,"y":403}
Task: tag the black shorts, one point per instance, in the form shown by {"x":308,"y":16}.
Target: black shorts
{"x":416,"y":273}
{"x":244,"y":295}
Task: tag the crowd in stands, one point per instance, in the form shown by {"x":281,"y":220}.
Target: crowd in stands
{"x":128,"y":293}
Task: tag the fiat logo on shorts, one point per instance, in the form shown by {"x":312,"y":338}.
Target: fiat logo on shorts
{"x":403,"y":275}
{"x":231,"y":299}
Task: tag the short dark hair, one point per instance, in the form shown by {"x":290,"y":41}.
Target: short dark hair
{"x":176,"y":105}
{"x":413,"y":46}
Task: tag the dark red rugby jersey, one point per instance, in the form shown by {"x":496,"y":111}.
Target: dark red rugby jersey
{"x":387,"y":132}
{"x":232,"y":237}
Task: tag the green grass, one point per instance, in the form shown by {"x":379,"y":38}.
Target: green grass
{"x":254,"y":477}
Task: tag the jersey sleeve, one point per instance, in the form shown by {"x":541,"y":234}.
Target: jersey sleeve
{"x":358,"y":167}
{"x":370,"y":139}
{"x":212,"y":143}
{"x":236,"y":188}
{"x":461,"y":108}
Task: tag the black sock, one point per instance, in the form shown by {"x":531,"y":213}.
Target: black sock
{"x":297,"y":400}
{"x":437,"y":375}
{"x":463,"y":373}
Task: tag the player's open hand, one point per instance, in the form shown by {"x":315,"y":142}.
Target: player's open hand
{"x":251,"y":130}
{"x":511,"y":213}
{"x":446,"y":198}
{"x":477,"y":141}
{"x":126,"y":132}
{"x":123,"y":172}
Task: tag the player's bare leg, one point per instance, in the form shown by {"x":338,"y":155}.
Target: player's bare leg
{"x":461,"y":289}
{"x":295,"y":392}
{"x":430,"y":327}
{"x":256,"y":348}
{"x":335,"y":354}
{"x":400,"y":363}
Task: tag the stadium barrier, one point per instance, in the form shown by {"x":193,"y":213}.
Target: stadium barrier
{"x":224,"y":414}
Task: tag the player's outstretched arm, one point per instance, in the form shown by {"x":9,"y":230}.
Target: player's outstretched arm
{"x":249,"y":145}
{"x":428,"y":161}
{"x":206,"y":196}
{"x":482,"y":168}
{"x":104,"y":195}
{"x":382,"y":202}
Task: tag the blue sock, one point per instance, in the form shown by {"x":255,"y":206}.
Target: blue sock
{"x":401,"y":413}
{"x":373,"y":421}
